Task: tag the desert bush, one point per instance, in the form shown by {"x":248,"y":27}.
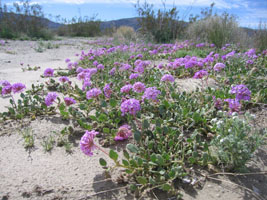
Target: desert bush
{"x":216,"y":29}
{"x":125,"y":34}
{"x":260,"y":38}
{"x":24,"y":19}
{"x":161,"y":25}
{"x":81,"y":27}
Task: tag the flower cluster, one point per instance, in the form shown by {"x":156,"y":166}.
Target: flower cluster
{"x":50,"y":98}
{"x":126,"y":89}
{"x":234,"y":105}
{"x":123,"y":133}
{"x":218,"y":67}
{"x":69,"y":101}
{"x":241,"y":92}
{"x":107,"y":91}
{"x":87,"y":144}
{"x":49,"y":72}
{"x":131,"y":106}
{"x":200,"y":74}
{"x":95,"y":92}
{"x":151,"y":93}
{"x":139,"y":87}
{"x":167,"y":78}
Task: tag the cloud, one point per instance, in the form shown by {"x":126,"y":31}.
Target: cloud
{"x":201,"y":3}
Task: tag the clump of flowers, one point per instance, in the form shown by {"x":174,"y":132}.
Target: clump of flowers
{"x":50,"y":98}
{"x":87,"y":144}
{"x":87,"y":83}
{"x":234,"y":105}
{"x":107,"y":91}
{"x":167,"y":78}
{"x":218,"y":103}
{"x":139,"y":87}
{"x":134,"y":76}
{"x":64,"y":79}
{"x":200,"y":74}
{"x":18,"y":87}
{"x":6,"y":90}
{"x":126,"y":89}
{"x":49,"y":72}
{"x":69,"y":101}
{"x":123,"y":133}
{"x":218,"y":67}
{"x":95,"y":92}
{"x":241,"y":92}
{"x":151,"y":93}
{"x":131,"y":106}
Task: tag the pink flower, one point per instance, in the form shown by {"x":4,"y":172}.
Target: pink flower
{"x":167,"y":78}
{"x":18,"y":87}
{"x":48,"y":72}
{"x":200,"y":74}
{"x":126,"y":89}
{"x":131,"y":106}
{"x":139,"y":87}
{"x":107,"y":91}
{"x":6,"y":89}
{"x":64,"y":79}
{"x":123,"y":133}
{"x":50,"y":98}
{"x":95,"y":92}
{"x":69,"y":101}
{"x":87,"y":144}
{"x":218,"y":67}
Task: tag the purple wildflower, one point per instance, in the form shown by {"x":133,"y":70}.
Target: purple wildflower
{"x":123,"y":133}
{"x":139,"y":68}
{"x":87,"y":144}
{"x":69,"y":101}
{"x":218,"y":67}
{"x":151,"y":93}
{"x":112,"y":71}
{"x":64,"y":79}
{"x":139,"y":87}
{"x":95,"y":63}
{"x":167,"y":78}
{"x":86,"y":83}
{"x":241,"y":92}
{"x":234,"y":105}
{"x":100,"y":66}
{"x":126,"y":89}
{"x":131,"y":106}
{"x":48,"y":72}
{"x":4,"y":83}
{"x":50,"y":98}
{"x":107,"y":91}
{"x":95,"y":92}
{"x":79,"y":69}
{"x":6,"y":89}
{"x":218,"y":103}
{"x":18,"y":87}
{"x":134,"y":76}
{"x":67,"y":60}
{"x":200,"y":74}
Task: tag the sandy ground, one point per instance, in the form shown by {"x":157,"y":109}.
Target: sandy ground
{"x":36,"y":174}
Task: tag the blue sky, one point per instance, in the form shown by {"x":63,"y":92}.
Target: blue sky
{"x":248,"y":12}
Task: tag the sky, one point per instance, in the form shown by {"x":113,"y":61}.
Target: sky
{"x":248,"y":12}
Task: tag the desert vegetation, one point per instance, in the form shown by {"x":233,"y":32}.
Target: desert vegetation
{"x":126,"y":89}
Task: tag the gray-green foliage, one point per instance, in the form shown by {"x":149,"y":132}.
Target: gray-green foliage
{"x":235,"y":142}
{"x":217,"y":29}
{"x":28,"y":137}
{"x":23,"y":20}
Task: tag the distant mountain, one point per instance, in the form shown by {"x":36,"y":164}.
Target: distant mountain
{"x":132,"y":22}
{"x":49,"y":24}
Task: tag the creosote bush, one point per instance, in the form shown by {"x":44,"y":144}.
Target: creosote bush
{"x":125,"y":34}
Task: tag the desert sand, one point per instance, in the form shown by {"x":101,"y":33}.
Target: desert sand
{"x":36,"y":174}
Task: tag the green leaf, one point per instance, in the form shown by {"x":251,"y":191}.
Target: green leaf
{"x":92,"y":117}
{"x":142,"y":180}
{"x":113,"y":155}
{"x":125,"y":162}
{"x":106,"y":130}
{"x":126,"y":154}
{"x":166,"y":187}
{"x":196,"y":117}
{"x":113,"y":103}
{"x":132,"y":148}
{"x":103,"y":118}
{"x":137,"y":135}
{"x":103,"y":103}
{"x":102,"y":162}
{"x":145,"y":124}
